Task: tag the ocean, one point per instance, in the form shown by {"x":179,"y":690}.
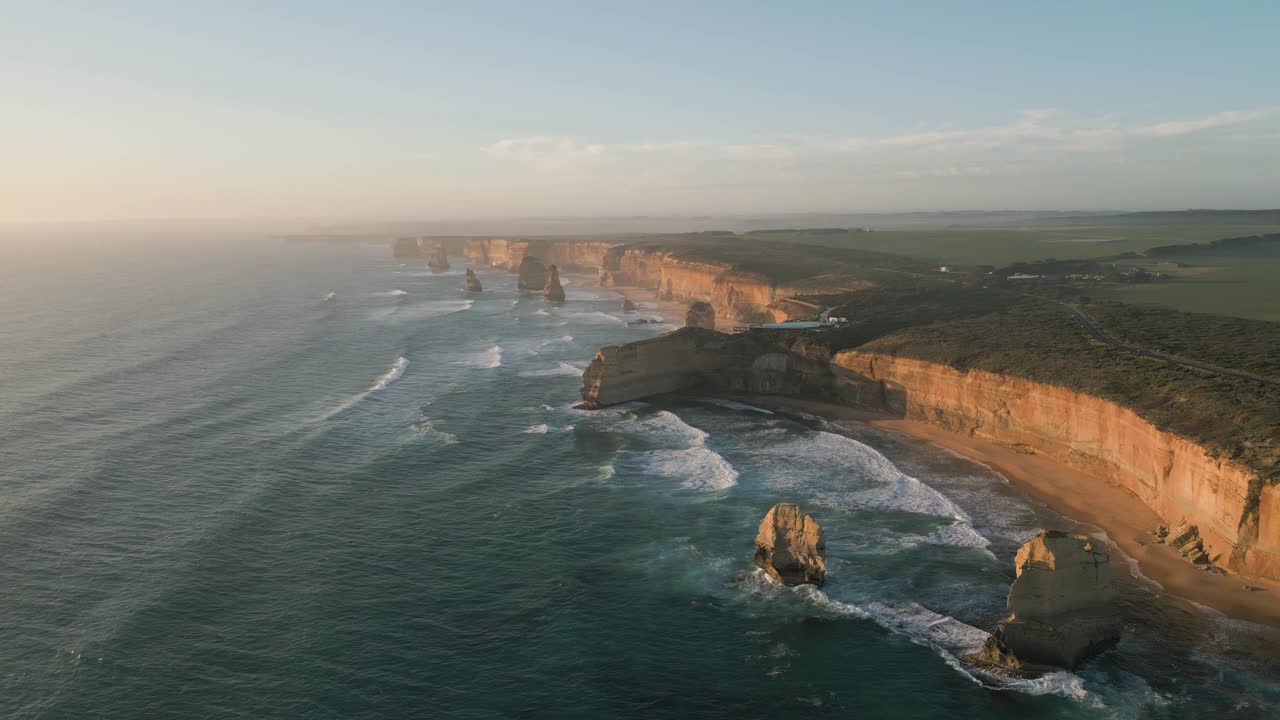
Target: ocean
{"x":243,"y":478}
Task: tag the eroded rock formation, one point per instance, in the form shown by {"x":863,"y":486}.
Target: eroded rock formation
{"x":1062,"y":605}
{"x":662,"y":364}
{"x":406,"y":247}
{"x":553,"y":291}
{"x":628,"y":306}
{"x":473,"y":282}
{"x":439,"y":259}
{"x":791,"y":547}
{"x":532,"y":274}
{"x":700,"y":315}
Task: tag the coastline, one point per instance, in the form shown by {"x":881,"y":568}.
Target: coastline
{"x":1125,"y":519}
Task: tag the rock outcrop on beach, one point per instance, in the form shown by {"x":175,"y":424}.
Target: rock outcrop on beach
{"x":406,"y":247}
{"x":790,"y":546}
{"x":628,"y":306}
{"x":439,"y":259}
{"x":532,"y":274}
{"x":553,"y":291}
{"x":700,"y":315}
{"x":1062,"y":605}
{"x":1185,"y":538}
{"x":473,"y":282}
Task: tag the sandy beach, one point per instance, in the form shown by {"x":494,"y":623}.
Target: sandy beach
{"x":1123,"y":517}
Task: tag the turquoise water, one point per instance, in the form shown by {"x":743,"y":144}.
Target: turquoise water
{"x":264,"y":480}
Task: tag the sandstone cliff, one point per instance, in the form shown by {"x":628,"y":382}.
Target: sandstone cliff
{"x":1239,"y":525}
{"x":552,"y":290}
{"x":662,"y":364}
{"x":790,"y":546}
{"x":1061,"y":605}
{"x":1172,"y":475}
{"x":508,"y":254}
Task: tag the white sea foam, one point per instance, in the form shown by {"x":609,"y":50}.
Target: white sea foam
{"x":544,"y":428}
{"x":539,"y":311}
{"x":951,"y":639}
{"x":330,"y":297}
{"x":858,"y":476}
{"x":561,"y":341}
{"x":731,"y":405}
{"x":490,"y":358}
{"x":690,"y":461}
{"x":594,"y":316}
{"x":697,"y":468}
{"x":391,"y":375}
{"x":392,"y":293}
{"x":420,"y":311}
{"x":397,"y":369}
{"x":426,"y":427}
{"x":561,"y":369}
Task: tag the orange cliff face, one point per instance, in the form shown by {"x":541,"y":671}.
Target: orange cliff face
{"x":577,"y":255}
{"x":1173,"y":476}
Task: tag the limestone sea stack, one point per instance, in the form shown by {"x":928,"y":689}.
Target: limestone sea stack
{"x":1062,"y":605}
{"x":532,"y":274}
{"x":700,"y":315}
{"x":439,"y":259}
{"x":627,"y":305}
{"x":790,"y":546}
{"x":553,"y":291}
{"x":473,"y":282}
{"x":406,"y":247}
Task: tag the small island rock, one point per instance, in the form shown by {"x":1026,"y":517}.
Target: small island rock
{"x":1062,"y":605}
{"x":532,"y":274}
{"x":701,"y":315}
{"x":553,"y":291}
{"x":406,"y":247}
{"x":627,"y":305}
{"x":473,"y":282}
{"x":791,"y":547}
{"x":439,"y":259}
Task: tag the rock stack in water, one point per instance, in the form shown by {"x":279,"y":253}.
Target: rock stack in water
{"x":473,"y":282}
{"x":532,"y":274}
{"x":701,"y":315}
{"x":553,"y":291}
{"x":406,"y":247}
{"x":439,"y":259}
{"x":627,"y":305}
{"x":1062,"y":605}
{"x":790,"y":546}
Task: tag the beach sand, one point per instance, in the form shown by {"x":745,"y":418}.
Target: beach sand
{"x":1085,"y":498}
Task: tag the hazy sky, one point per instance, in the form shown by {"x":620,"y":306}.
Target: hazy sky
{"x":112,"y":109}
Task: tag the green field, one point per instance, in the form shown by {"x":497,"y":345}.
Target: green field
{"x":1243,"y":283}
{"x":1002,"y":246}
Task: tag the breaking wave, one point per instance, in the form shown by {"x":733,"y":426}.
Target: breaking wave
{"x":951,"y":639}
{"x":561,"y":369}
{"x":397,"y":369}
{"x":403,"y":312}
{"x":868,"y":480}
{"x":543,"y":429}
{"x":330,"y":297}
{"x":488,"y":359}
{"x":695,"y":465}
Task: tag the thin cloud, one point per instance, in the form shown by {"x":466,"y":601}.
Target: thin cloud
{"x":1219,"y":120}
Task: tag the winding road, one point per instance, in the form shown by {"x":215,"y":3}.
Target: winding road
{"x":1096,"y":333}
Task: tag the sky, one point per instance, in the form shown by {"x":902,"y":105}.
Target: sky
{"x":379,"y":110}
